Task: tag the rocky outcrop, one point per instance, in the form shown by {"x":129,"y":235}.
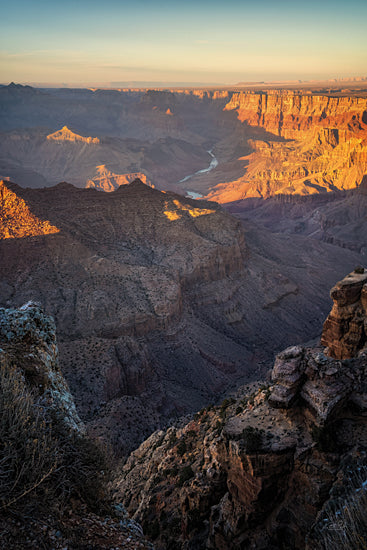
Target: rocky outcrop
{"x":106,"y":180}
{"x":28,"y":337}
{"x":345,"y":329}
{"x":256,"y":471}
{"x":37,"y":426}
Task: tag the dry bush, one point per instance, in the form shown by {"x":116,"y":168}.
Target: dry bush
{"x":343,"y":525}
{"x":28,"y":454}
{"x":41,"y":461}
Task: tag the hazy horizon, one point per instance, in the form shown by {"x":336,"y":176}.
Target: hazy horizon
{"x":191,"y":43}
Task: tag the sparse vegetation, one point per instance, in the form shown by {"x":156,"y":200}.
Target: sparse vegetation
{"x":39,"y":457}
{"x":185,"y":474}
{"x":252,"y":438}
{"x":344,"y":521}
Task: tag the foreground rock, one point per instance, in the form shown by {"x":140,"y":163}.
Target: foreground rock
{"x":262,"y":470}
{"x":40,"y":503}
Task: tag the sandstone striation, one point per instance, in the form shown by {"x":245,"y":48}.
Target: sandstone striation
{"x":260,"y":470}
{"x":314,"y":143}
{"x":286,"y":113}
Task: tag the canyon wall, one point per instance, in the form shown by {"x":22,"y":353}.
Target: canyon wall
{"x":315,"y":143}
{"x":286,"y":114}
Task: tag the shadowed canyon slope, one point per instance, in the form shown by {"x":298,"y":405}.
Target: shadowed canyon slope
{"x":266,"y":143}
{"x":161,"y":303}
{"x":54,"y":135}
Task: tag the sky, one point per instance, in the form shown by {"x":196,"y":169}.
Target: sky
{"x":183,"y":42}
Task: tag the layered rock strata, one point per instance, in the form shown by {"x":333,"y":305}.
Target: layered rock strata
{"x":345,"y":329}
{"x":287,"y":114}
{"x":315,"y":143}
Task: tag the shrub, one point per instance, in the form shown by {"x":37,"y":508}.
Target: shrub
{"x":252,"y":438}
{"x":359,"y":269}
{"x":28,"y":454}
{"x":181,"y":447}
{"x":39,"y":457}
{"x":185,"y":474}
{"x":343,"y":522}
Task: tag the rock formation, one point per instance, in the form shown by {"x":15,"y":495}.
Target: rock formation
{"x":16,"y":219}
{"x":67,"y":135}
{"x":28,"y":336}
{"x":286,"y":113}
{"x":105,"y":180}
{"x":263,"y":469}
{"x":345,"y":329}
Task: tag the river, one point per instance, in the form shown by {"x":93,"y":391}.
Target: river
{"x":213,"y":164}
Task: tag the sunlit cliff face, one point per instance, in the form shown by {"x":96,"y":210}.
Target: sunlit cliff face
{"x":16,"y":220}
{"x":322,"y":145}
{"x":174,"y":211}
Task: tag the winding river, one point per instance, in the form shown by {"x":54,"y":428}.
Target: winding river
{"x":213,"y":164}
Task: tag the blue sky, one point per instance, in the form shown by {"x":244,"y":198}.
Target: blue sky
{"x":79,"y":41}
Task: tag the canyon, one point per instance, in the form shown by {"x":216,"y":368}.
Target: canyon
{"x":266,"y":142}
{"x":162,"y":304}
{"x":181,"y":239}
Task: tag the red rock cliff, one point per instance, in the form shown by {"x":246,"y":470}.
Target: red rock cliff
{"x":327,"y":147}
{"x":288,"y":113}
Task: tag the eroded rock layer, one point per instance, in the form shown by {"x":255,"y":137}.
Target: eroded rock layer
{"x":319,"y":144}
{"x":345,"y":329}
